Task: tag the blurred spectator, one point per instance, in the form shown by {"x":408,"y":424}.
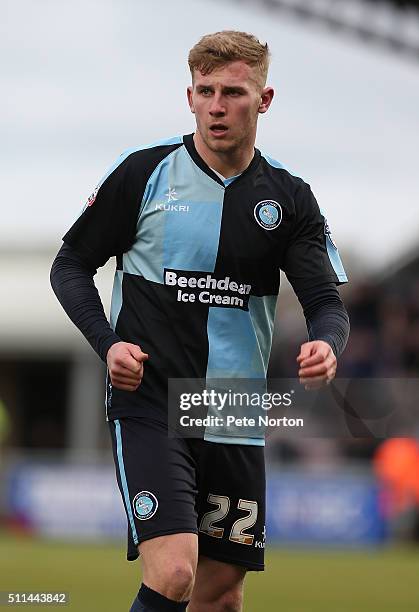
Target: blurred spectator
{"x":384,"y":340}
{"x":396,"y":465}
{"x":4,"y":423}
{"x":384,"y":343}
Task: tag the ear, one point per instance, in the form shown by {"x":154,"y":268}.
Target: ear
{"x":266,"y":98}
{"x":190,"y":102}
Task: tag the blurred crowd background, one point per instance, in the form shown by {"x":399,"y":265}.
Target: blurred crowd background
{"x":354,"y":132}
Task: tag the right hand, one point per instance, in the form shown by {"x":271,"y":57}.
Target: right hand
{"x":125,"y":365}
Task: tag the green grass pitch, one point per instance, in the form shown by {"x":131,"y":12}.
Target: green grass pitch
{"x":98,"y":578}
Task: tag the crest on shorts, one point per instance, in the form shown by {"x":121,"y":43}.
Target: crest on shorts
{"x":145,"y":505}
{"x":268,"y":214}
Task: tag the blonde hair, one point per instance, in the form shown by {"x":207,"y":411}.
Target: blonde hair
{"x":216,"y":50}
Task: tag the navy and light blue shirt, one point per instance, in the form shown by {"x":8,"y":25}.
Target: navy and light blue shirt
{"x":199,"y":261}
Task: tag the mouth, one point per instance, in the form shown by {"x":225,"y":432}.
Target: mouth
{"x":218,"y":129}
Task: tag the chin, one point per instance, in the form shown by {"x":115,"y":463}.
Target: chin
{"x":221,"y":146}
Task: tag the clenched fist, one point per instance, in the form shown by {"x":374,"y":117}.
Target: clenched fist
{"x":317,"y":364}
{"x":125,"y":364}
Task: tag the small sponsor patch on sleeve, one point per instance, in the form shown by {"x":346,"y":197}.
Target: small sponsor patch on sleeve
{"x":328,"y":234}
{"x":92,"y":197}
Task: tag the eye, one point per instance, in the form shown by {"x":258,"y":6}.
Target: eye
{"x":206,"y":91}
{"x":234,"y":93}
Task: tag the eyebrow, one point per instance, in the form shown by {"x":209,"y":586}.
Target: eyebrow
{"x":227,"y":89}
{"x":234,"y":89}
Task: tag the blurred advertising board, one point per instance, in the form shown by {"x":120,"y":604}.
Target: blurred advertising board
{"x":82,"y":501}
{"x":79,"y":501}
{"x":327,"y":509}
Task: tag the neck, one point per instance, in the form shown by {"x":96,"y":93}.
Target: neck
{"x":227,"y":163}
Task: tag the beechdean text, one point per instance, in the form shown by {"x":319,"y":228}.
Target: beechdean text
{"x":201,"y":287}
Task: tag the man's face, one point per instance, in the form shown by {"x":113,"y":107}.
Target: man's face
{"x":226,"y":104}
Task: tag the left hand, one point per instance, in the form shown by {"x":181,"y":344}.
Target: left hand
{"x":317,"y":364}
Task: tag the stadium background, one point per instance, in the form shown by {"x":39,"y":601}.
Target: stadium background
{"x":83,"y":83}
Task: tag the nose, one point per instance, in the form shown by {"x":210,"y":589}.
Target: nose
{"x":217,"y":108}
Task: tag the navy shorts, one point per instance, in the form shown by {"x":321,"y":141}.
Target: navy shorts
{"x":176,"y":485}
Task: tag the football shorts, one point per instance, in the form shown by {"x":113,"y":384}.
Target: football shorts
{"x":176,"y":485}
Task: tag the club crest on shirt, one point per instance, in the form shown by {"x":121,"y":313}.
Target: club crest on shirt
{"x":145,"y":505}
{"x":328,"y":234}
{"x":268,"y":214}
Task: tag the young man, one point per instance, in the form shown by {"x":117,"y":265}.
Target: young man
{"x":201,"y":226}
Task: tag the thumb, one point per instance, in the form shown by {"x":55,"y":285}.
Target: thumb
{"x":305,"y":351}
{"x":137,"y":353}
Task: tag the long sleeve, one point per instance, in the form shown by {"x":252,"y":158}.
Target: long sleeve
{"x":72,"y":282}
{"x":325,"y":314}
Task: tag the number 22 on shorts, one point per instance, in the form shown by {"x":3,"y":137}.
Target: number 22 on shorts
{"x":237,"y":533}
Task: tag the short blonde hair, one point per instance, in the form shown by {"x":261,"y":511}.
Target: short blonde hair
{"x":216,"y":50}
